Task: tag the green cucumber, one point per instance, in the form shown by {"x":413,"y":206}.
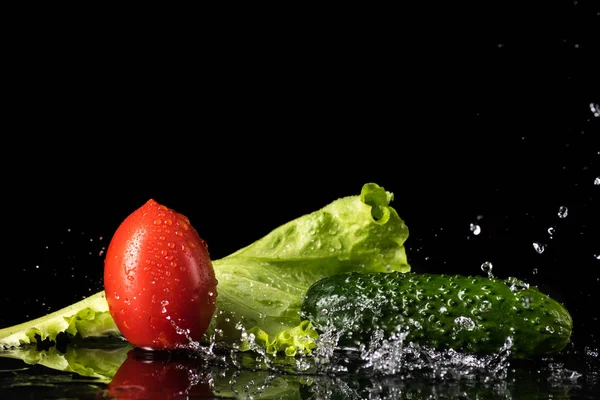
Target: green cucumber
{"x":471,"y":314}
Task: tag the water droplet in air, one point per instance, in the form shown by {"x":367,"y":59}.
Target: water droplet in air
{"x":551,"y":231}
{"x":476,"y":229}
{"x":535,"y":271}
{"x":487,"y":268}
{"x":597,"y":181}
{"x":538,"y":247}
{"x":562,"y":212}
{"x":595,"y":109}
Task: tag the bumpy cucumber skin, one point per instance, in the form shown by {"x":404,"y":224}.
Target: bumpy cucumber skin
{"x":472,"y":314}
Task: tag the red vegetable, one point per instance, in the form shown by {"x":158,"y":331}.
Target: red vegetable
{"x":142,"y":377}
{"x":159,"y":280}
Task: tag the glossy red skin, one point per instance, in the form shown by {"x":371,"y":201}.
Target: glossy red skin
{"x":158,"y":276}
{"x":140,"y":378}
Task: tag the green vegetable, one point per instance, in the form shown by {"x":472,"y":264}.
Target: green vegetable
{"x":85,"y":319}
{"x":261,"y":286}
{"x":473,"y":314}
{"x":99,"y":363}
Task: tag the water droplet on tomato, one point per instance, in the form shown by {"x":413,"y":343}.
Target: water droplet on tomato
{"x":162,"y":238}
{"x":178,"y":233}
{"x":183,"y":225}
{"x":164,"y":302}
{"x":171,"y":245}
{"x":157,"y":221}
{"x":129,"y":277}
{"x":168,"y":222}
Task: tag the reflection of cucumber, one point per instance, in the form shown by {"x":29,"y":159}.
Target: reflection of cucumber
{"x":471,"y":314}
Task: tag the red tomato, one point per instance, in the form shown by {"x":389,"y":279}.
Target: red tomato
{"x":159,"y":280}
{"x":140,"y":377}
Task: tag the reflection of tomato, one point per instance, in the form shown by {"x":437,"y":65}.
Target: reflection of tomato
{"x":159,"y":377}
{"x":159,"y":280}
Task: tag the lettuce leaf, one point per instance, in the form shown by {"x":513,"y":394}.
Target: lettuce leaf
{"x":87,"y":318}
{"x":101,"y":364}
{"x":261,"y":286}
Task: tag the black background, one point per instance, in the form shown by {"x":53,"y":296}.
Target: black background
{"x":243,"y":130}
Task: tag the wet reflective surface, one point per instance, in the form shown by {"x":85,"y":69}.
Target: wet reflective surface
{"x":120,"y":371}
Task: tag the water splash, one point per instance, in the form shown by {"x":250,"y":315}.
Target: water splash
{"x":559,"y":373}
{"x":516,"y":284}
{"x":393,"y":356}
{"x":538,"y":247}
